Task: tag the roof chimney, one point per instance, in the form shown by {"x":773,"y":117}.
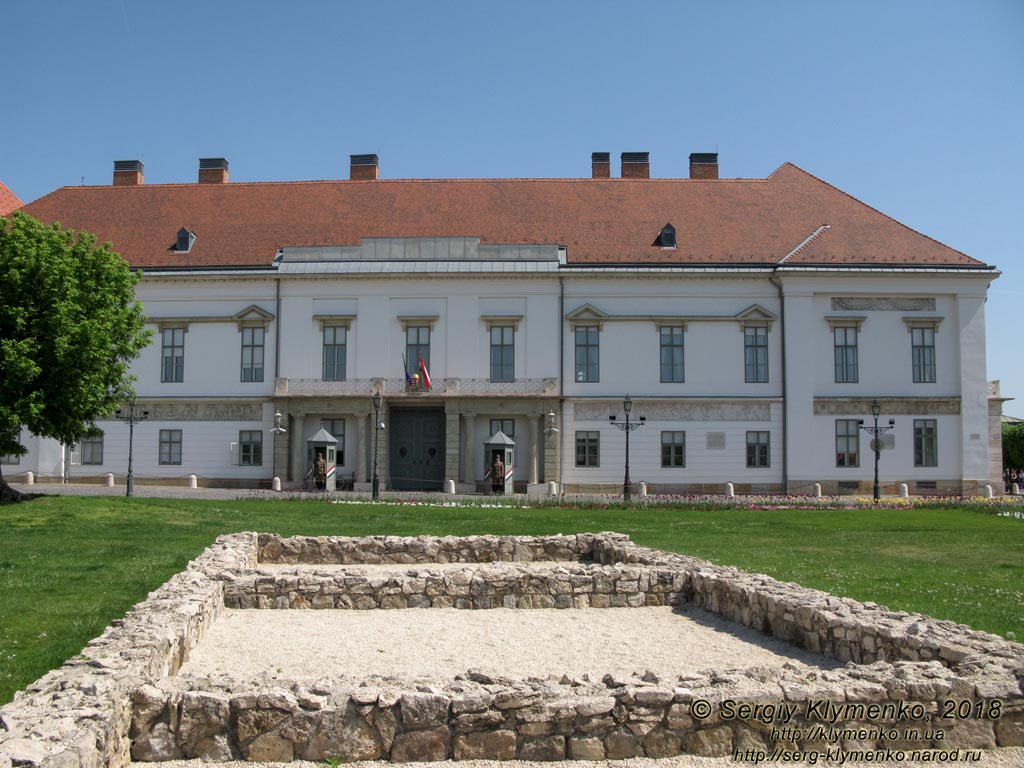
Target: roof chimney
{"x":363,"y":167}
{"x":601,"y":165}
{"x":703,"y":165}
{"x":127,"y":173}
{"x":636,"y":165}
{"x":213,"y":170}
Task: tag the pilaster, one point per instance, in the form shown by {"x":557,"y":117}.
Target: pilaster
{"x":452,"y":441}
{"x":469,"y":463}
{"x":296,"y":440}
{"x":534,"y":451}
{"x":362,"y":449}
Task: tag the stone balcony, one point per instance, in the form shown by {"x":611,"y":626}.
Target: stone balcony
{"x":397,"y":387}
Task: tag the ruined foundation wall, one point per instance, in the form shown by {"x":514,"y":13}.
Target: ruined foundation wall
{"x":119,"y":697}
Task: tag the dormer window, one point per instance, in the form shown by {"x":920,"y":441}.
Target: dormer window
{"x":667,"y":237}
{"x":185,"y":240}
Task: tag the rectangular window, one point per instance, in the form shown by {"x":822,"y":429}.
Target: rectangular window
{"x":508,"y":426}
{"x":672,"y":354}
{"x":10,"y":458}
{"x":91,"y":450}
{"x":503,"y":353}
{"x":172,"y":355}
{"x":922,"y":342}
{"x":337,"y":429}
{"x":588,"y":445}
{"x":170,"y":446}
{"x":417,"y":344}
{"x":673,"y":449}
{"x":846,"y":355}
{"x":335,"y":344}
{"x":847,"y":443}
{"x":250,"y":448}
{"x":926,"y":443}
{"x":757,"y":449}
{"x":587,"y":353}
{"x":755,"y":354}
{"x":252,"y":354}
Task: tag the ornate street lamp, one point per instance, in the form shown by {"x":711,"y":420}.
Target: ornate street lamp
{"x":876,"y":441}
{"x":377,"y":427}
{"x":627,"y":406}
{"x":131,"y":415}
{"x":276,"y":430}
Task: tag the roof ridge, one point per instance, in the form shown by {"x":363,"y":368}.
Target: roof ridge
{"x":567,"y":179}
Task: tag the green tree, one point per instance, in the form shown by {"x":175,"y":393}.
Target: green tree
{"x":1013,"y":446}
{"x":69,"y":328}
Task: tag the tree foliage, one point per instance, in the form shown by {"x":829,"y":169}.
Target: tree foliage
{"x":1013,"y":446}
{"x":69,"y":328}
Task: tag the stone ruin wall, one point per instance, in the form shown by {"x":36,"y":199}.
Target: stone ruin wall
{"x":119,"y":699}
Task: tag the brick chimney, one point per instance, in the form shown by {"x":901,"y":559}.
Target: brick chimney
{"x":213,"y":170}
{"x":601,"y":165}
{"x":363,"y":167}
{"x":703,"y":165}
{"x":636,"y":165}
{"x":127,"y":173}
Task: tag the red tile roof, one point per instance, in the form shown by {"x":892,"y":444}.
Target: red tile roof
{"x":719,"y":221}
{"x":8,"y":200}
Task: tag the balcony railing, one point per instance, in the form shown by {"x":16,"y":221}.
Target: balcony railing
{"x":287,"y":387}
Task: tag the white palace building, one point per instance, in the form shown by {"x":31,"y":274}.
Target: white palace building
{"x":751,"y":321}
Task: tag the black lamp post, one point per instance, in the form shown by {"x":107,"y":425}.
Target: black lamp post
{"x":131,"y":415}
{"x":876,"y":444}
{"x":276,"y":430}
{"x":627,"y":406}
{"x":377,"y":399}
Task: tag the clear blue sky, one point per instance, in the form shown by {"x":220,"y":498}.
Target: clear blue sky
{"x":915,"y":107}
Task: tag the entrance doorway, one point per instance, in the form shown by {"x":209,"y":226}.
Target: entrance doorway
{"x":417,"y":449}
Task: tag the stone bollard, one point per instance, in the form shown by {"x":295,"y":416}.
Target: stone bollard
{"x":1015,"y":489}
{"x":988,"y":492}
{"x":110,"y":479}
{"x":643,"y":487}
{"x":730,"y":490}
{"x":817,"y":490}
{"x":904,"y":491}
{"x":552,"y":488}
{"x":193,"y":482}
{"x":275,"y":484}
{"x":449,"y":487}
{"x":30,"y":479}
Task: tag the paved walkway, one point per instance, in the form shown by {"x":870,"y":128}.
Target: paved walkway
{"x":181,"y":492}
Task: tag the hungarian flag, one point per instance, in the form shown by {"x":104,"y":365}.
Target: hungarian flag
{"x":424,"y":374}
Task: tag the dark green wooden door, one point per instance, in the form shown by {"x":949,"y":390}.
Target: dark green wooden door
{"x":417,"y":449}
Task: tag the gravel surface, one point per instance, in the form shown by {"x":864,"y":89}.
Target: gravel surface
{"x":1012,"y":757}
{"x":443,"y":642}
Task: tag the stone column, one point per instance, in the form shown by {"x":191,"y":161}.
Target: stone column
{"x":383,"y":469}
{"x":361,"y":448}
{"x":534,"y":451}
{"x":298,"y":446}
{"x":452,"y":441}
{"x":469,"y":459}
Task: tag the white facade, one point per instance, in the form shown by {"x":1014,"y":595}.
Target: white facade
{"x":940,"y":440}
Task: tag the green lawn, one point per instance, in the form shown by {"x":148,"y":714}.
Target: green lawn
{"x":69,"y":565}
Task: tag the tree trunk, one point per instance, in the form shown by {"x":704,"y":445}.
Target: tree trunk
{"x":9,"y":495}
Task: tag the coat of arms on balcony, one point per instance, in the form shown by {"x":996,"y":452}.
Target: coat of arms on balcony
{"x":416,"y":384}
